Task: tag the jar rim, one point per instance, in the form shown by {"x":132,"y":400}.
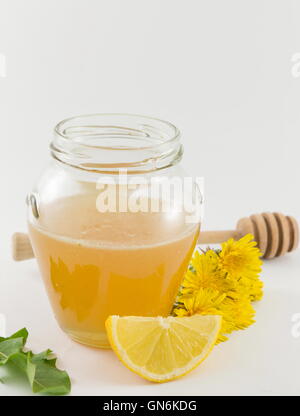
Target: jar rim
{"x":58,"y":129}
{"x":109,"y":140}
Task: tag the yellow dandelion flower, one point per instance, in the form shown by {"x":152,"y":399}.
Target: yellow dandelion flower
{"x":250,"y":288}
{"x":205,"y":301}
{"x":223,"y":282}
{"x":205,"y":273}
{"x":238,"y":313}
{"x":240,"y":258}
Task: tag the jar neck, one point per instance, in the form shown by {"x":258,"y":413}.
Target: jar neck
{"x":106,"y":143}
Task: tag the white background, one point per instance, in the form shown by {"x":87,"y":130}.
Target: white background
{"x":222,"y":72}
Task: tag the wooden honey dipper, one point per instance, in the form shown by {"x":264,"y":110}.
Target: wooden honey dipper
{"x":275,"y":234}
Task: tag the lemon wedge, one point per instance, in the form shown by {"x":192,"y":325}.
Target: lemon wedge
{"x":162,"y":349}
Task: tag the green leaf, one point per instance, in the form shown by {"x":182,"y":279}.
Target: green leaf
{"x":44,"y":377}
{"x":44,"y":355}
{"x":8,"y":348}
{"x":47,"y":355}
{"x":11,"y":346}
{"x":22,"y":333}
{"x":40,"y":369}
{"x":19,"y":360}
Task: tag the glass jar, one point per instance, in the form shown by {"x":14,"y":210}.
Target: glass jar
{"x":111,"y":226}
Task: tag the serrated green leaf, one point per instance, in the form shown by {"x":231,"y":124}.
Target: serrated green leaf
{"x":44,"y":377}
{"x":48,"y":356}
{"x":40,"y":369}
{"x":44,"y":355}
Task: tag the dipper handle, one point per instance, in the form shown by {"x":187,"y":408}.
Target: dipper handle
{"x":214,"y":237}
{"x":21,"y":247}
